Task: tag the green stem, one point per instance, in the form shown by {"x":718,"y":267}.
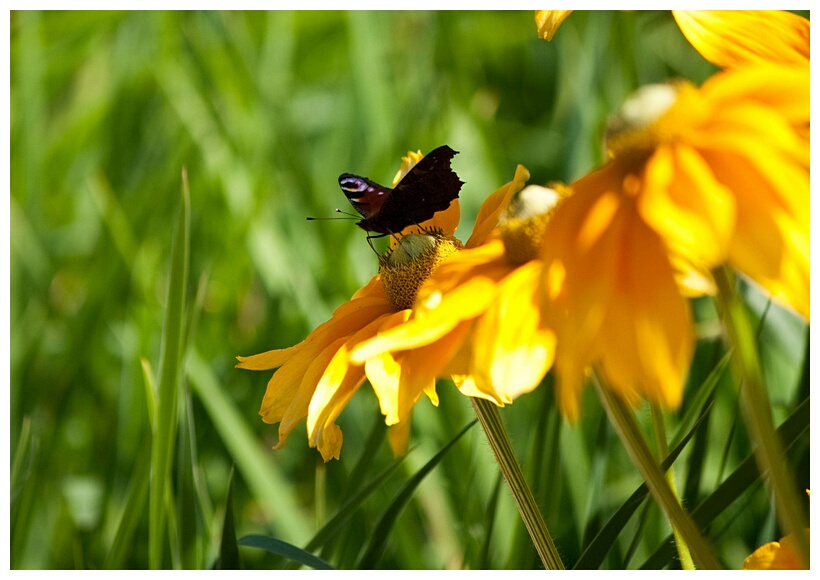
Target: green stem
{"x":490,"y":420}
{"x":756,"y":411}
{"x":624,"y":422}
{"x":658,"y":426}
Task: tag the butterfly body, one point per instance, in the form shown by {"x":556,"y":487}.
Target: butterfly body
{"x":429,"y":187}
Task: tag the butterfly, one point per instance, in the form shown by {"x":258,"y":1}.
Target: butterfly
{"x":428,"y":187}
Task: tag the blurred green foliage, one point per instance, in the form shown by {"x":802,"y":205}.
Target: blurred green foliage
{"x":265,"y":110}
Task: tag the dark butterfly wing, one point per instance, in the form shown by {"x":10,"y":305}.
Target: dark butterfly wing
{"x":366,"y":197}
{"x":429,"y":187}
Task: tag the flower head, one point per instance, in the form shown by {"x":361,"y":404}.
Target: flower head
{"x":697,"y":178}
{"x":481,"y":306}
{"x":317,"y":377}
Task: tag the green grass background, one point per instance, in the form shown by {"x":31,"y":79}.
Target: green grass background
{"x":265,"y":110}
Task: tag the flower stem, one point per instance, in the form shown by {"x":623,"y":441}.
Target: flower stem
{"x":490,"y":420}
{"x":756,"y":411}
{"x":624,"y":422}
{"x":685,"y":555}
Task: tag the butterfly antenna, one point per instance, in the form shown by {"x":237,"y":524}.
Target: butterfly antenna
{"x":350,"y":216}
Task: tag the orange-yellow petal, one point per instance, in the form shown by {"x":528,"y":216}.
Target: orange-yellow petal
{"x":465,"y":302}
{"x":616,"y":301}
{"x":548,"y":22}
{"x":734,"y":38}
{"x":511,"y":350}
{"x":296,"y":404}
{"x":682,"y":201}
{"x":492,"y":207}
{"x":337,"y":383}
{"x":265,"y":361}
{"x":782,"y":555}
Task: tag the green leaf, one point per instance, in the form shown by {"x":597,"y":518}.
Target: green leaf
{"x":133,"y":511}
{"x":264,"y":478}
{"x":162,"y":449}
{"x":594,"y":554}
{"x":228,"y":550}
{"x":743,"y":477}
{"x":378,"y":539}
{"x":280,"y":548}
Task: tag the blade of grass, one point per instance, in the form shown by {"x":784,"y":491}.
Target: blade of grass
{"x":162,"y":449}
{"x":20,"y":455}
{"x":269,"y":486}
{"x":733,"y":487}
{"x":378,"y":539}
{"x":484,"y":562}
{"x":228,"y":548}
{"x":352,"y":488}
{"x":280,"y":548}
{"x":624,"y":422}
{"x":133,"y":511}
{"x":757,"y":412}
{"x":595,"y":552}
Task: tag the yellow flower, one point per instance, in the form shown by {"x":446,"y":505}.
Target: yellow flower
{"x":782,"y":555}
{"x":733,"y":38}
{"x":315,"y":378}
{"x":481,"y":307}
{"x":696,"y":178}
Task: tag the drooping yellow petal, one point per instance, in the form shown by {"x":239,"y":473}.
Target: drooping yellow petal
{"x":618,"y":302}
{"x":646,"y":341}
{"x":339,"y":380}
{"x":266,"y":361}
{"x":398,"y":435}
{"x":735,"y":38}
{"x":492,"y":207}
{"x":347,"y":319}
{"x":682,"y":201}
{"x":770,"y":244}
{"x":294,"y":408}
{"x":548,"y":22}
{"x":511,"y":350}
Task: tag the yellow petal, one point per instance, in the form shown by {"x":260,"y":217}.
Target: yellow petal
{"x":734,"y":38}
{"x":548,"y":22}
{"x":267,"y":360}
{"x":289,"y":410}
{"x":398,"y":435}
{"x":337,"y":384}
{"x":492,"y":207}
{"x":483,"y":261}
{"x":511,"y":350}
{"x":347,"y":319}
{"x":465,"y":302}
{"x":618,"y":304}
{"x":684,"y":203}
{"x":762,"y":84}
{"x":446,"y":221}
{"x":780,"y":555}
